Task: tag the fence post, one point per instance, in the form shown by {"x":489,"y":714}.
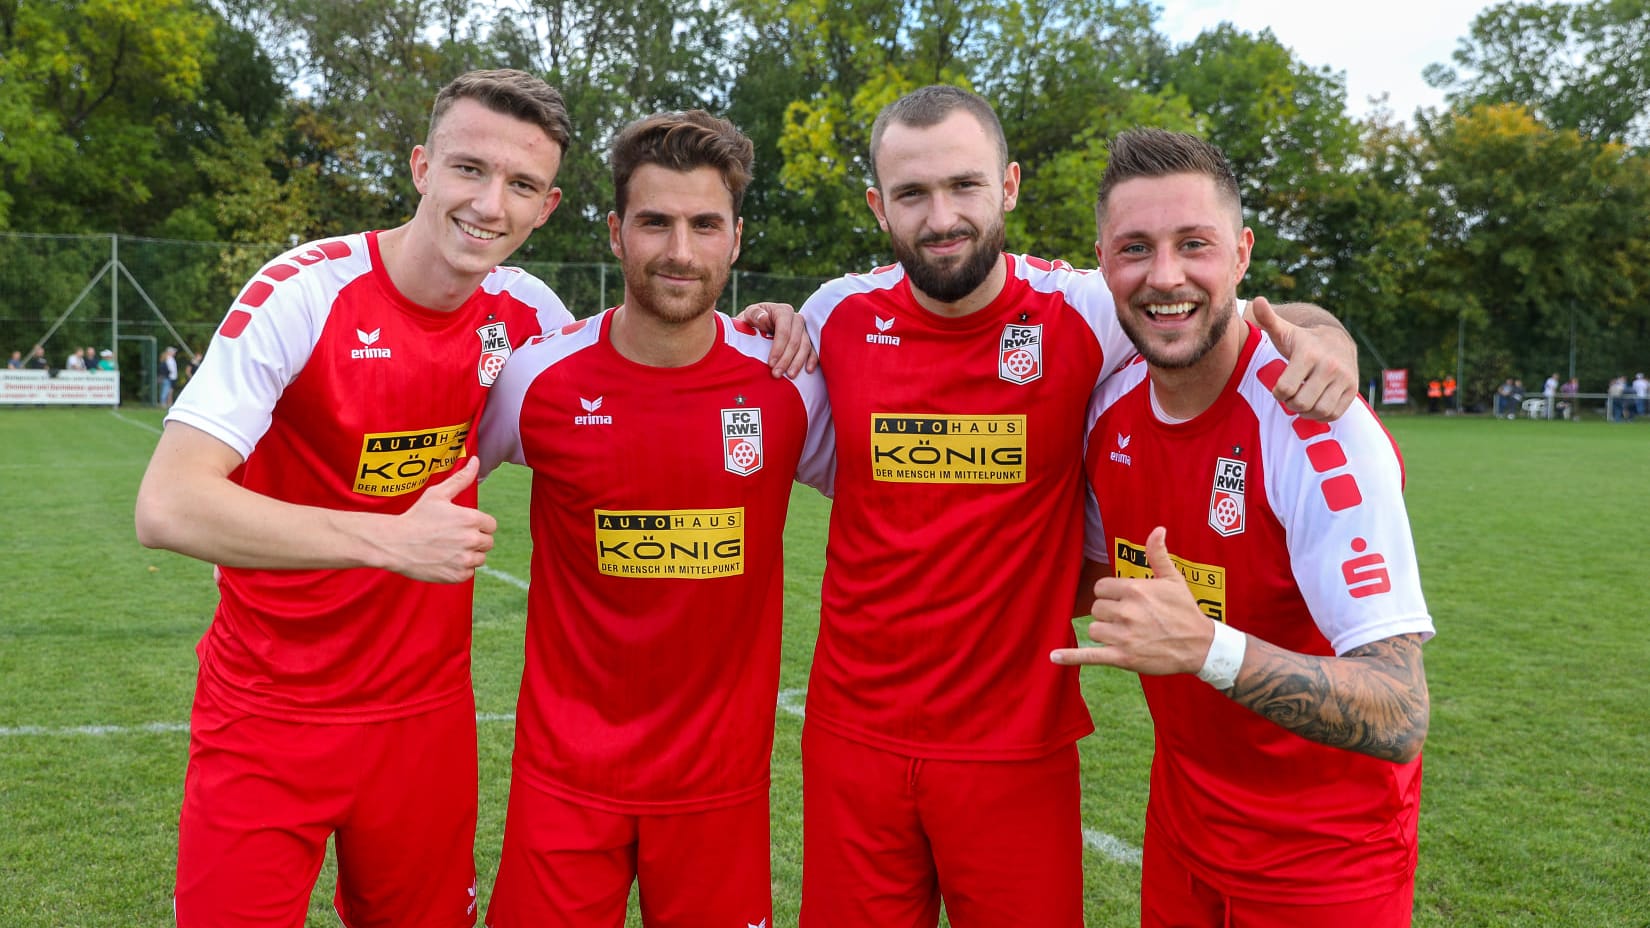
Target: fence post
{"x":114,"y":296}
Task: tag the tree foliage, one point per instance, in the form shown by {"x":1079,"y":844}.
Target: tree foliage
{"x":1515,"y":215}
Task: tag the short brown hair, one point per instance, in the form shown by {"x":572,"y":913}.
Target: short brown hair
{"x":929,"y":106}
{"x":1160,"y":153}
{"x":682,"y":141}
{"x":512,"y":93}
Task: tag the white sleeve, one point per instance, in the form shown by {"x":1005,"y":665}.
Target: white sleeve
{"x":498,"y":437}
{"x":261,"y":346}
{"x":817,"y":466}
{"x":1094,"y":531}
{"x":1338,"y":491}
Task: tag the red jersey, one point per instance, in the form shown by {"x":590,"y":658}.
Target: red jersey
{"x":1318,"y":560}
{"x":954,"y":539}
{"x":339,"y":392}
{"x":657,"y":594}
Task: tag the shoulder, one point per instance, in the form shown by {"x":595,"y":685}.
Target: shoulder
{"x":882,"y":281}
{"x":313,"y":268}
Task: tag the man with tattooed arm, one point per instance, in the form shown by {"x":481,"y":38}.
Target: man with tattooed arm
{"x":1261,"y":580}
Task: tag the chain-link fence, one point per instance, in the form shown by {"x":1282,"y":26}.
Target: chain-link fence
{"x":133,"y":297}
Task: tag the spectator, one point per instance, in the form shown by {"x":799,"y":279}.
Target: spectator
{"x":1641,"y":394}
{"x":166,"y":379}
{"x":76,"y":361}
{"x":1614,"y":404}
{"x":1504,"y":405}
{"x":105,"y":360}
{"x":1449,"y":394}
{"x":1549,"y":392}
{"x":1567,"y":398}
{"x":1435,"y":395}
{"x":37,"y":360}
{"x":15,"y":362}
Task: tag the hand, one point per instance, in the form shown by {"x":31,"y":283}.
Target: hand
{"x":793,"y":352}
{"x":1147,"y":626}
{"x":1321,"y":380}
{"x":437,"y":539}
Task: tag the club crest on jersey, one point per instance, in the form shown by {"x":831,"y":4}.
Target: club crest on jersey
{"x":1020,"y":353}
{"x":1226,"y":508}
{"x":495,"y":350}
{"x":742,"y":440}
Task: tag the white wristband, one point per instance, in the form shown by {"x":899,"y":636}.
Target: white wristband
{"x":1220,"y":667}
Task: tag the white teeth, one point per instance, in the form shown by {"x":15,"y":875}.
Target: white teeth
{"x":478,"y":233}
{"x":1172,"y":309}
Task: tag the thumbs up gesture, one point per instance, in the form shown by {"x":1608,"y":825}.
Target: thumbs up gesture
{"x":437,"y":539}
{"x":1150,"y":626}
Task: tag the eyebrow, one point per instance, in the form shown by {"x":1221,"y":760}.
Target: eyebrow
{"x":944,"y":181}
{"x":696,"y":217}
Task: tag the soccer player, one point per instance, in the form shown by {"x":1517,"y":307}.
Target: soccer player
{"x":1277,"y":632}
{"x":318,"y":457}
{"x":663,"y":456}
{"x":939,"y":755}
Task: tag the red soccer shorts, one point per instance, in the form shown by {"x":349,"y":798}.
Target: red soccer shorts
{"x":1172,"y":897}
{"x":567,"y":865}
{"x":886,"y":836}
{"x":261,"y":796}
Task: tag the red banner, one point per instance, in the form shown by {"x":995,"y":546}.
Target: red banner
{"x":1394,"y":387}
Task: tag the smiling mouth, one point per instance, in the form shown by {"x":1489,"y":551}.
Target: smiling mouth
{"x":475,"y":232}
{"x":1168,"y":311}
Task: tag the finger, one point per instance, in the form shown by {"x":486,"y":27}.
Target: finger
{"x":1073,"y":657}
{"x":1157,"y":554}
{"x":1280,"y":330}
{"x":448,"y":490}
{"x":787,"y":346}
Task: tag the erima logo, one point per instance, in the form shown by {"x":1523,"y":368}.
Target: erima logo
{"x":1119,"y":456}
{"x":880,"y":336}
{"x":590,"y":417}
{"x":367,"y":339}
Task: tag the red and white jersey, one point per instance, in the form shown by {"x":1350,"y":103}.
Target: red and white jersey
{"x":954,"y":540}
{"x":657,"y":595}
{"x":1295,"y":532}
{"x":339,"y":392}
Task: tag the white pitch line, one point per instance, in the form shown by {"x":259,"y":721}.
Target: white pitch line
{"x":792,"y":701}
{"x":148,"y":728}
{"x":1115,"y":848}
{"x":496,"y":574}
{"x":142,"y":425}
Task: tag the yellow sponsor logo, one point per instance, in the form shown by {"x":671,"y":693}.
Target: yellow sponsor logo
{"x":1207,"y":581}
{"x":679,"y":543}
{"x":948,"y":449}
{"x":393,"y":463}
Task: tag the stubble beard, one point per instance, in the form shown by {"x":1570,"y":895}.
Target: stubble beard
{"x":644,"y":294}
{"x":1138,"y":328}
{"x":949,"y":280}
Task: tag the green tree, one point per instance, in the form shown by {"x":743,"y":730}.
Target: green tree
{"x":1583,"y":66}
{"x":88,"y":92}
{"x":1537,"y":230}
{"x":1284,"y":127}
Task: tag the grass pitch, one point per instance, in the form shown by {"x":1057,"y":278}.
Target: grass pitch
{"x":1533,"y":545}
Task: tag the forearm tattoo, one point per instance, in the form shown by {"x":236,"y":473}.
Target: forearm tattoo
{"x":1372,"y":699}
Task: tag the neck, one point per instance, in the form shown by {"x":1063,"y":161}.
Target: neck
{"x":653,"y":342}
{"x":977,"y":299}
{"x":417,"y":274}
{"x":1186,"y":392}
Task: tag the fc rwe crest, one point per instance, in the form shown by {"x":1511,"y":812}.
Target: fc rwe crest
{"x":495,"y":350}
{"x":1020,"y":353}
{"x":1226,"y":509}
{"x":742,"y":440}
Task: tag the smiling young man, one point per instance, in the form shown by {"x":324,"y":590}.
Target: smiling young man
{"x":663,"y":455}
{"x":939,"y":757}
{"x":318,"y":458}
{"x":1279,"y":645}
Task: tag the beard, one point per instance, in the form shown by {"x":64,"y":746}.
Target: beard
{"x":645,"y":293}
{"x":1192,"y":344}
{"x":950,"y":279}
